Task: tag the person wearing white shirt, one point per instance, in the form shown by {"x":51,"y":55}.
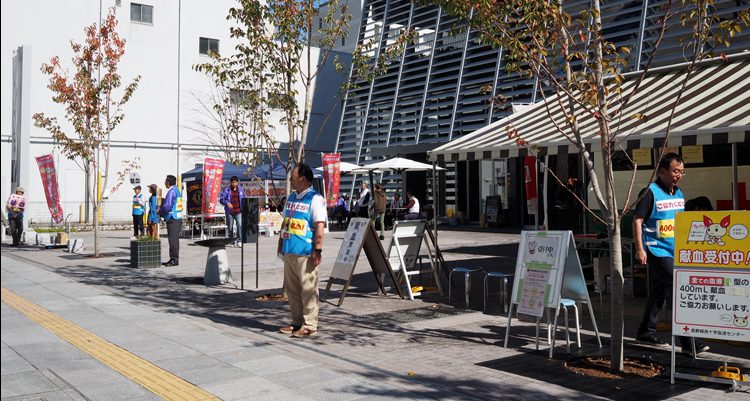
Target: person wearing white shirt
{"x":364,"y":201}
{"x":412,"y":212}
{"x":301,"y":245}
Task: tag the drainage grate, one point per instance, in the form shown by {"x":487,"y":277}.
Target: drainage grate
{"x":415,"y":315}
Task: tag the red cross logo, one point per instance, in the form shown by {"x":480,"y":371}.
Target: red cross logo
{"x":686,"y":329}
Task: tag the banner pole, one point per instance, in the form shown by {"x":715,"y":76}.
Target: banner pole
{"x":242,"y":265}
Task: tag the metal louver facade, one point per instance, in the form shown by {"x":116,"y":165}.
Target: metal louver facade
{"x":439,"y":89}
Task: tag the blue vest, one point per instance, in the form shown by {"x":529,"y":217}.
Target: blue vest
{"x":297,"y":228}
{"x":137,"y":207}
{"x":176,"y":212}
{"x":658,"y":230}
{"x":153,"y":209}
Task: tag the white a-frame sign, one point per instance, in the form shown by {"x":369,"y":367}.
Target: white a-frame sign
{"x":547,"y":271}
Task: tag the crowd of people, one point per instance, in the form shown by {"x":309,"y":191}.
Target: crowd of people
{"x":375,"y":206}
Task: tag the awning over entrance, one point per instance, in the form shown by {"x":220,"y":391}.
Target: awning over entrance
{"x":714,"y":109}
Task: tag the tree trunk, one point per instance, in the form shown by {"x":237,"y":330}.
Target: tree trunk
{"x":87,"y":200}
{"x":96,"y":229}
{"x":616,"y":281}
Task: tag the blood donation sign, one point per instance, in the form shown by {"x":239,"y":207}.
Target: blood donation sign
{"x":713,"y":240}
{"x":711,"y":280}
{"x":712,"y":304}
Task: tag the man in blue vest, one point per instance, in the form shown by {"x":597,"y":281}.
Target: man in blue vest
{"x":171,"y":211}
{"x":301,"y":244}
{"x":139,"y":208}
{"x":653,"y":234}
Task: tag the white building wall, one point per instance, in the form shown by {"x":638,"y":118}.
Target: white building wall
{"x":155,"y":116}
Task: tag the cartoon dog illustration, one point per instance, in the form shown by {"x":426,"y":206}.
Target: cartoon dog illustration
{"x":715,"y":231}
{"x":740,"y":321}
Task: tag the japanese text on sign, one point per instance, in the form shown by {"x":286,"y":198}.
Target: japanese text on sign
{"x":712,"y":304}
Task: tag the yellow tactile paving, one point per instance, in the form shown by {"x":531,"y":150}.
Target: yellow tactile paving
{"x":157,"y":380}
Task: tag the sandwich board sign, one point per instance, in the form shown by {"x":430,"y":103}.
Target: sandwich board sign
{"x":403,"y":252}
{"x":360,"y":234}
{"x":547,"y":270}
{"x":711,"y":280}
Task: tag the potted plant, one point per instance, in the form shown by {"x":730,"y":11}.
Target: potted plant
{"x":145,"y":251}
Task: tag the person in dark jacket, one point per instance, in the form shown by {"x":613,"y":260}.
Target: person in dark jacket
{"x":171,"y":211}
{"x":231,"y":197}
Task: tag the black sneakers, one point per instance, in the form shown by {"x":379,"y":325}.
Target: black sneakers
{"x":699,"y":347}
{"x":651,"y":339}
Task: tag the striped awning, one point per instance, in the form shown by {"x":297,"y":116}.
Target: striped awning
{"x":714,"y":108}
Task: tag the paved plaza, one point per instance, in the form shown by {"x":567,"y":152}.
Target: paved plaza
{"x":223,"y":341}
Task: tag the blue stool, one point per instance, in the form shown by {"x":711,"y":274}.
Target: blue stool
{"x":467,"y":280}
{"x":564,"y":304}
{"x":503,"y":289}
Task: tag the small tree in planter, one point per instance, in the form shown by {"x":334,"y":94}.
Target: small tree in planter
{"x":145,"y":252}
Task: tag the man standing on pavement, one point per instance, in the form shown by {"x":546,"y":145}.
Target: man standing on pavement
{"x":15,"y":207}
{"x":653,"y":234}
{"x":379,"y":208}
{"x":364,"y":201}
{"x":139,"y":208}
{"x":171,"y":211}
{"x":231,"y":197}
{"x":301,"y":244}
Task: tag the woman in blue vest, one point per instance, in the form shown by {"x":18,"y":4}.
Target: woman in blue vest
{"x":152,"y":226}
{"x":139,"y":208}
{"x":301,"y":244}
{"x":653,"y":234}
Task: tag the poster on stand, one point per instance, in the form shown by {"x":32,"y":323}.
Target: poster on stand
{"x":213,"y":170}
{"x":332,"y":176}
{"x":51,"y":189}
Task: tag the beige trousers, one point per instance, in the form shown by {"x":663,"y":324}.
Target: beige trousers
{"x":301,"y":286}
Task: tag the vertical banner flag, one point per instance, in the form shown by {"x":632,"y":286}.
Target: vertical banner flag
{"x":332,"y":176}
{"x":51,"y":190}
{"x":213,"y":171}
{"x":529,"y":168}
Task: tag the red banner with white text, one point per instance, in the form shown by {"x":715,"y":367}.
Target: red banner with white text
{"x":213,"y":171}
{"x":51,"y":189}
{"x":332,"y":176}
{"x":529,"y":168}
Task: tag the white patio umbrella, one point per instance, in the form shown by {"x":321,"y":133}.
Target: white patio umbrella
{"x":345,"y":167}
{"x":399,"y":165}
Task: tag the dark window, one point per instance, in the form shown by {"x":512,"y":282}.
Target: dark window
{"x":206,"y":44}
{"x":343,"y":41}
{"x":141,"y":13}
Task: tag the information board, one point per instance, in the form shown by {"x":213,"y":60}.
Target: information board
{"x":711,"y":290}
{"x":714,"y":240}
{"x":712,"y":304}
{"x":547,"y":269}
{"x":712,"y":275}
{"x":360,"y":234}
{"x":541,"y":251}
{"x":404,"y":251}
{"x":492,"y":208}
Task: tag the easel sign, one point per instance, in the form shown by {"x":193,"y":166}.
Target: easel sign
{"x":403,"y":252}
{"x":547,"y":270}
{"x":711,"y":290}
{"x":360,"y":234}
